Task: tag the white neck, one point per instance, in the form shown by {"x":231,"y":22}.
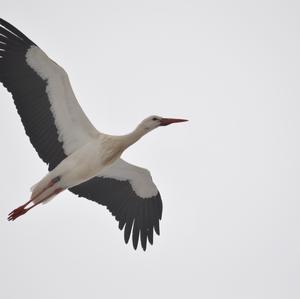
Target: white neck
{"x":135,"y":135}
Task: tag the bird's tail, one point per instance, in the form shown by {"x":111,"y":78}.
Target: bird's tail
{"x":43,"y":191}
{"x":33,"y":187}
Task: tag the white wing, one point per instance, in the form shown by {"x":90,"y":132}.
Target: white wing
{"x":74,"y":128}
{"x":139,"y":178}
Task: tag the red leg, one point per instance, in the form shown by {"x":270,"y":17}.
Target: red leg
{"x":22,"y":210}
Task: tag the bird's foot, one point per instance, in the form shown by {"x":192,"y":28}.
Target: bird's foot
{"x":17,"y":213}
{"x":30,"y":204}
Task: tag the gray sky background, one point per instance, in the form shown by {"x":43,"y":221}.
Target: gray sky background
{"x":229,"y":178}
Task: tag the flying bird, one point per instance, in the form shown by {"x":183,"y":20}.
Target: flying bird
{"x":80,"y":158}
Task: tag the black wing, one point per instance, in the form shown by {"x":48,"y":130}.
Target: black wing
{"x":29,"y":94}
{"x":137,"y":214}
{"x":50,"y":113}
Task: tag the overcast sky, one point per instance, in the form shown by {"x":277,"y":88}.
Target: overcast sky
{"x":229,"y":178}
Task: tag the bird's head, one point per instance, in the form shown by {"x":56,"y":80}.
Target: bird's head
{"x":152,"y":122}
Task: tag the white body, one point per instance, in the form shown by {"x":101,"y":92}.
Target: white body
{"x":98,"y":157}
{"x":89,"y":160}
{"x":89,"y":152}
{"x":85,"y":163}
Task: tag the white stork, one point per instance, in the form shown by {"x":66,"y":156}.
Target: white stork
{"x":80,"y":158}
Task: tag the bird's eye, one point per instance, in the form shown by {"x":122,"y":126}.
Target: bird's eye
{"x":154,"y":118}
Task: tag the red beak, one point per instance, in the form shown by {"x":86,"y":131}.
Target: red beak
{"x":168,"y":121}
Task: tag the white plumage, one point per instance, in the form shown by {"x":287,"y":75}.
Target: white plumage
{"x":139,"y":178}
